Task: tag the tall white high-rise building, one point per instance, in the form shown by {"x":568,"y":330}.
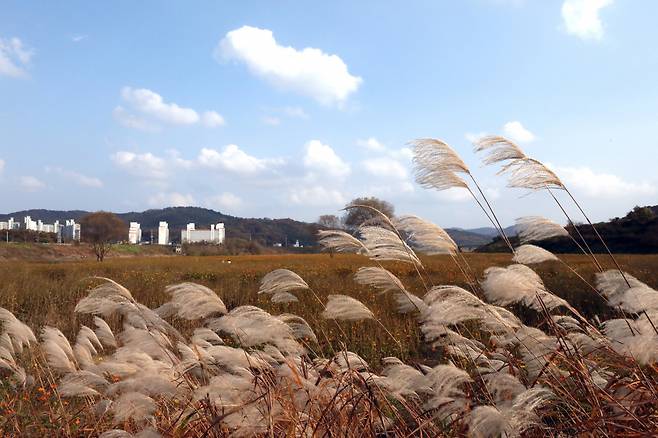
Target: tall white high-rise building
{"x":134,"y":233}
{"x":70,"y":231}
{"x":163,"y":233}
{"x":216,"y":234}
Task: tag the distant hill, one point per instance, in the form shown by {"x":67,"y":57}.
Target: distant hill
{"x":635,"y":233}
{"x":491,"y":231}
{"x":264,"y":230}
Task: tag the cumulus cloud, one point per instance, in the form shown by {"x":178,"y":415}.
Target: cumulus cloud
{"x":212,"y":119}
{"x":322,"y":159}
{"x":601,"y":185}
{"x":142,"y":165}
{"x":234,"y":159}
{"x":581,"y":18}
{"x":132,"y":121}
{"x":385,"y":167}
{"x":173,"y":199}
{"x":316,"y":196}
{"x":371,"y":144}
{"x":14,"y":57}
{"x":309,"y":71}
{"x":225,"y":202}
{"x":153,"y":105}
{"x":78,"y":178}
{"x":517,"y":132}
{"x":31,"y":183}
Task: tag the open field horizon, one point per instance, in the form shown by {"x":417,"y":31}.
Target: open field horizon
{"x":45,"y":293}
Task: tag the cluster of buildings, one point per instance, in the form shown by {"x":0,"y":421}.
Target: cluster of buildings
{"x":70,"y":231}
{"x":215,"y":235}
{"x":66,"y":232}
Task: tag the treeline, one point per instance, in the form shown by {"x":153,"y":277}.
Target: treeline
{"x":27,"y":236}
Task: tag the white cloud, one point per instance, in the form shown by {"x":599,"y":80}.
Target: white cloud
{"x":455,"y":194}
{"x":316,"y":196}
{"x":31,"y":183}
{"x":601,"y":185}
{"x":473,"y":137}
{"x":385,"y":167}
{"x":517,"y":132}
{"x":581,"y":18}
{"x":142,"y":165}
{"x":321,"y":158}
{"x":2,"y":165}
{"x":173,"y":199}
{"x":152,"y":104}
{"x":78,"y":37}
{"x":212,"y":119}
{"x":234,"y":159}
{"x":309,"y":71}
{"x":14,"y":57}
{"x":78,"y":178}
{"x":295,"y":111}
{"x":371,"y":144}
{"x":272,"y":121}
{"x":132,"y":121}
{"x":225,"y":202}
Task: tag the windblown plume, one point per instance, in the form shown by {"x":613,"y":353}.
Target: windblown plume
{"x":340,"y":241}
{"x":634,"y":338}
{"x":402,"y":380}
{"x":349,"y":360}
{"x":281,"y":280}
{"x":300,"y":328}
{"x":636,"y":298}
{"x":252,"y":326}
{"x":447,"y":395}
{"x":57,"y":349}
{"x":386,"y":245}
{"x":426,"y":236}
{"x":194,"y":301}
{"x":437,"y":165}
{"x":498,"y":149}
{"x":81,"y":384}
{"x":535,"y":228}
{"x":519,"y":284}
{"x":342,"y":307}
{"x":20,"y":334}
{"x":284,"y":297}
{"x":531,"y":254}
{"x":133,"y":406}
{"x":104,"y":332}
{"x":531,"y":174}
{"x":381,"y":279}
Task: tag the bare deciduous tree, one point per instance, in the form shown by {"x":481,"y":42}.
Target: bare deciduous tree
{"x":101,"y":230}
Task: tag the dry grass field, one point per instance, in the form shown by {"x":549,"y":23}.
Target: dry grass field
{"x":46,"y":293}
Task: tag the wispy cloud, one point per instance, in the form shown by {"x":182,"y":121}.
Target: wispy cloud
{"x":31,"y":183}
{"x":14,"y":57}
{"x":78,"y":178}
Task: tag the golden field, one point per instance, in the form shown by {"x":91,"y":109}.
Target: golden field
{"x":46,"y":293}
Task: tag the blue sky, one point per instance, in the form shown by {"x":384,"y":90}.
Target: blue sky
{"x":292,"y":110}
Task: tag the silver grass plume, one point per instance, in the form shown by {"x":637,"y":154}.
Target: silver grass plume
{"x":535,"y":228}
{"x":509,"y":421}
{"x":498,"y":149}
{"x":437,"y":165}
{"x":340,"y":241}
{"x":344,"y":308}
{"x":281,"y":280}
{"x":531,"y":254}
{"x":284,"y":297}
{"x":104,"y":332}
{"x":300,"y":328}
{"x":20,"y":334}
{"x":133,"y":406}
{"x":381,"y":279}
{"x":426,"y":236}
{"x":194,"y":301}
{"x":386,"y":245}
{"x":57,"y":349}
{"x":447,"y":396}
{"x":519,"y":284}
{"x":638,"y":298}
{"x":82,"y":383}
{"x":531,"y":174}
{"x":634,"y":338}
